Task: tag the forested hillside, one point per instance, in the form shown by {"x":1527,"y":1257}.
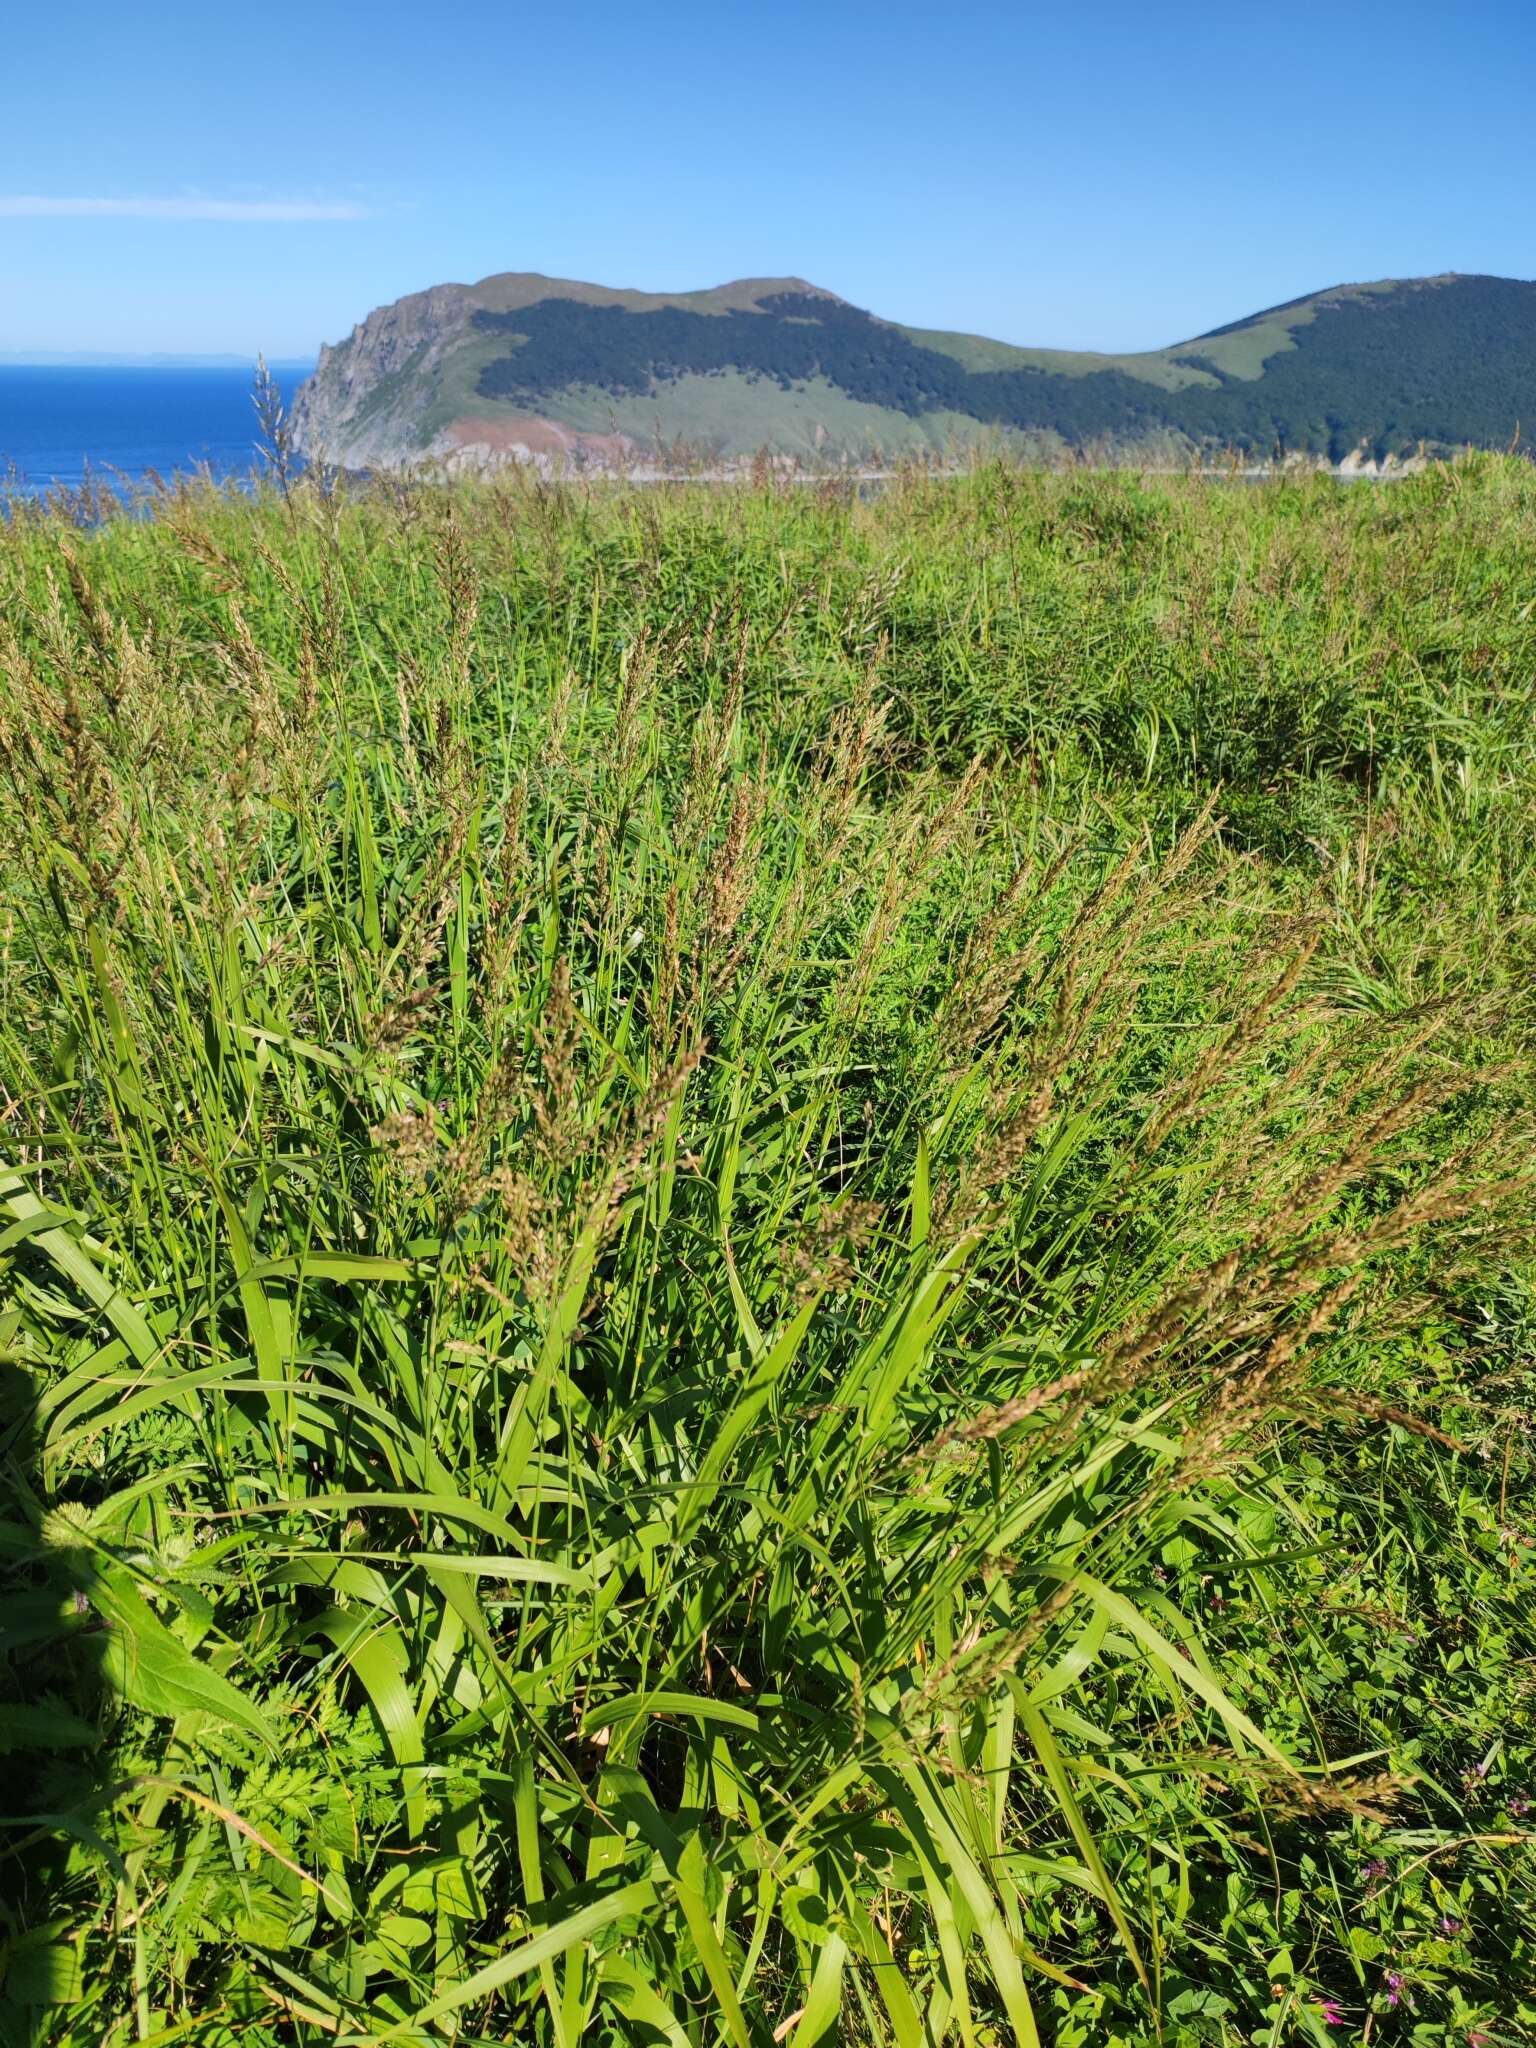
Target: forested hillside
{"x":524,"y":367}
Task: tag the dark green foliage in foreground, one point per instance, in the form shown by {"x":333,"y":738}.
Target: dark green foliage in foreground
{"x":764,"y":1266}
{"x":1448,"y":363}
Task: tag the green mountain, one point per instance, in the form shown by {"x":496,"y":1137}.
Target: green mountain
{"x":524,"y":367}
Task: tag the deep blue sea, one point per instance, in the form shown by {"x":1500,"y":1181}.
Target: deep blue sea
{"x":55,"y":423}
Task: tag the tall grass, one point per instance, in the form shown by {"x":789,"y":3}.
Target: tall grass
{"x":766,"y":1264}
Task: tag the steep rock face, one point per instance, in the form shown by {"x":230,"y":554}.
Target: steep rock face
{"x":356,"y":408}
{"x":402,"y":387}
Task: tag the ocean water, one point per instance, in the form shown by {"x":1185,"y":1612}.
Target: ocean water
{"x":59,"y":424}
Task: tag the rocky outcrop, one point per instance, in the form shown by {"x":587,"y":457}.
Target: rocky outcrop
{"x":358,"y":407}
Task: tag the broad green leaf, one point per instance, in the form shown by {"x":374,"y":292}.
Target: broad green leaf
{"x":376,"y":1651}
{"x":693,"y":1706}
{"x":140,"y":1658}
{"x":44,"y":1973}
{"x":581,"y":1925}
{"x":824,"y":2001}
{"x":77,"y":1267}
{"x":44,"y":1728}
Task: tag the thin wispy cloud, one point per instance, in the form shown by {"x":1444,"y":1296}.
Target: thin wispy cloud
{"x":38,"y":206}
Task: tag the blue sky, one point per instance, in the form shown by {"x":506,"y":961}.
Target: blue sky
{"x":203,"y":177}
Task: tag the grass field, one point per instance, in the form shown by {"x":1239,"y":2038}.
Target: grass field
{"x":766,"y":1265}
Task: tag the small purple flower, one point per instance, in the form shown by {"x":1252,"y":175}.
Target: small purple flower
{"x":1519,"y":1805}
{"x":1377,"y":1871}
{"x":1477,"y":2040}
{"x":1394,"y":1981}
{"x":1449,"y":1924}
{"x":1332,"y":2012}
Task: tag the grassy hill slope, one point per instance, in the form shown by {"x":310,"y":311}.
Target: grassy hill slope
{"x":523,"y":362}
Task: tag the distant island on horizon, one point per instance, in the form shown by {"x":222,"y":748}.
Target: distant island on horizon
{"x":562,"y":374}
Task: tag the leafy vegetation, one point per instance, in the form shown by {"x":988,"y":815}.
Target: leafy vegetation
{"x":792,"y":338}
{"x":765,"y":1264}
{"x":1444,"y":361}
{"x":1447,"y":361}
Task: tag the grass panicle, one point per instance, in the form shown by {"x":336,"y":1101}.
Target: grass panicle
{"x":765,"y":1262}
